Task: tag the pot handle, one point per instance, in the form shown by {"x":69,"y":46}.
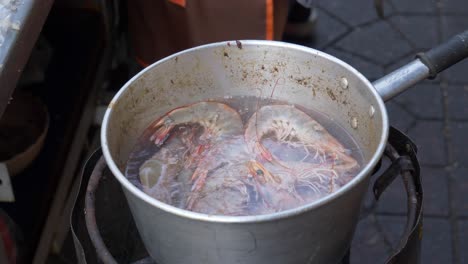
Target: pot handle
{"x":426,"y":65}
{"x":402,"y":152}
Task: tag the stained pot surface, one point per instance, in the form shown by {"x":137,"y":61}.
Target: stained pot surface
{"x":298,"y":74}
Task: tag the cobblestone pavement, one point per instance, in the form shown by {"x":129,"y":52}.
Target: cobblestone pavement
{"x":434,"y":114}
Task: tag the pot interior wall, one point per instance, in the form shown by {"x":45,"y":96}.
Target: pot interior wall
{"x":297,"y":74}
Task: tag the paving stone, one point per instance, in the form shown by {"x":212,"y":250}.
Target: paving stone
{"x":378,"y":42}
{"x":458,"y":101}
{"x":415,"y":29}
{"x":423,"y":100}
{"x":368,"y":245}
{"x":459,"y":134}
{"x":415,"y":6}
{"x":436,"y":241}
{"x":435,"y":187}
{"x":399,"y":118}
{"x":459,"y":191}
{"x":368,"y":69}
{"x":327,"y":29}
{"x":392,"y":228}
{"x":450,"y":27}
{"x":463,"y":241}
{"x":354,"y":12}
{"x":428,"y":136}
{"x":455,"y":6}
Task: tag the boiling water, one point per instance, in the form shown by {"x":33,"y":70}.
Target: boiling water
{"x":222,"y":176}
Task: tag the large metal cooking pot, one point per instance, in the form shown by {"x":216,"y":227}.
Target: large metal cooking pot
{"x":319,"y":232}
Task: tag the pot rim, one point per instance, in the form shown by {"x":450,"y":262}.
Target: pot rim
{"x":361,"y":176}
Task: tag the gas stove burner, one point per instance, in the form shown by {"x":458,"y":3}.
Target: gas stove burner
{"x":104,"y":231}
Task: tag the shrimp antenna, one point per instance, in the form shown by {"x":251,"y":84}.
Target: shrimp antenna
{"x":274,"y":87}
{"x":258,"y":105}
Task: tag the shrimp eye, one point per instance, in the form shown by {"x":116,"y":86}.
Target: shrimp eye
{"x":259,"y":172}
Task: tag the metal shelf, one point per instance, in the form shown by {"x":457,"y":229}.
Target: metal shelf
{"x":15,"y":50}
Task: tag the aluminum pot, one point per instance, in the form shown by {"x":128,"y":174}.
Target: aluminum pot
{"x":319,"y":232}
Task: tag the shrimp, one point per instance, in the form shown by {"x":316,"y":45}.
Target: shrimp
{"x":295,"y":128}
{"x":158,"y":181}
{"x":165,"y":175}
{"x":221,"y":182}
{"x":318,"y":171}
{"x":225,"y":192}
{"x":276,"y":190}
{"x":297,"y":183}
{"x":216,"y":119}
